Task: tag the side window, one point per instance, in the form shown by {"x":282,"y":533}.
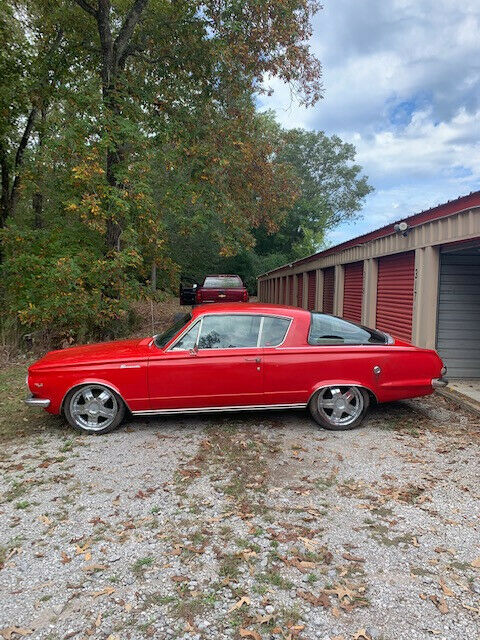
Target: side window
{"x":274,"y":331}
{"x":188,"y":340}
{"x":325,"y":329}
{"x":229,"y":332}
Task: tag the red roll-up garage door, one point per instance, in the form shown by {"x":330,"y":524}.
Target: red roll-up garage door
{"x":352,"y":291}
{"x":300,"y":290}
{"x":396,"y":276}
{"x":312,"y":286}
{"x":290,"y":290}
{"x":328,"y":287}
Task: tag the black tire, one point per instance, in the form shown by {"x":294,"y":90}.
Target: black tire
{"x":113,"y":404}
{"x":320,"y":411}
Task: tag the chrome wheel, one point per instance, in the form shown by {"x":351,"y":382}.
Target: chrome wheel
{"x":93,"y":407}
{"x":340,"y":406}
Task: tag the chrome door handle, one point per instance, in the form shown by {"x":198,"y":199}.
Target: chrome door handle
{"x":253,"y":359}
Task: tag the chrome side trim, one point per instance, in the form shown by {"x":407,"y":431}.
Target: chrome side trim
{"x":256,"y":407}
{"x":439,"y":383}
{"x":31,"y":401}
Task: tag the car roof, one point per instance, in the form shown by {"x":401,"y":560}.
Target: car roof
{"x":222,"y":275}
{"x":249,"y":307}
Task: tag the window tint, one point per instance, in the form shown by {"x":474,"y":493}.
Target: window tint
{"x":229,"y":332}
{"x":326,"y":329}
{"x":274,"y":330}
{"x":188,"y":340}
{"x":223,"y":282}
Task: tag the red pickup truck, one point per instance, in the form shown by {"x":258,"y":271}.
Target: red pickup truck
{"x":221,"y":288}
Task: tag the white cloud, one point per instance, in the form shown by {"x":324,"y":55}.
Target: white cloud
{"x":402,"y":82}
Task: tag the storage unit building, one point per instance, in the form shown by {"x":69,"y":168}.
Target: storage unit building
{"x":418,"y":279}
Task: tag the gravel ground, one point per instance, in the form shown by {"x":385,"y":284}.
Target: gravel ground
{"x":245,"y":526}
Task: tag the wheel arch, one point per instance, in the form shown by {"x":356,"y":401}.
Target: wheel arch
{"x":343,"y":383}
{"x":104,"y":383}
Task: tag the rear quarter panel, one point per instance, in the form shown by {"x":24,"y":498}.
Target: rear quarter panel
{"x":293,"y":373}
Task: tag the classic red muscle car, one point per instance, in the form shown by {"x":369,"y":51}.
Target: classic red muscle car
{"x":228,"y":357}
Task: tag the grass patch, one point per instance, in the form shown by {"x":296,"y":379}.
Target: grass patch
{"x":275,"y":580}
{"x":141,"y":565}
{"x":16,"y":419}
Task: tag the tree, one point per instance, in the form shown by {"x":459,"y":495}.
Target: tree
{"x":31,"y":64}
{"x":332,"y":190}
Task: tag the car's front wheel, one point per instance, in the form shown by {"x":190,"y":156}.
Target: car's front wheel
{"x":339,"y":407}
{"x":94,"y":408}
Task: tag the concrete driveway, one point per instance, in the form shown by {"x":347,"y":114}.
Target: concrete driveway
{"x":245,"y":526}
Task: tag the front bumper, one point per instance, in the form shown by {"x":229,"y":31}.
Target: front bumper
{"x":31,"y":401}
{"x":439,"y":383}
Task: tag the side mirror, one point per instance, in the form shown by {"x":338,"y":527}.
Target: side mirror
{"x":194,"y":286}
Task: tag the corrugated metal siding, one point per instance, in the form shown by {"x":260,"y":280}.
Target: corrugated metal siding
{"x":290,"y":289}
{"x":328,"y":289}
{"x":396,"y":276}
{"x":312,"y":287}
{"x":300,"y":290}
{"x":352,"y":291}
{"x":458,"y":334}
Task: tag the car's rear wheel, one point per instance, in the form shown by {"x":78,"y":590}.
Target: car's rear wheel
{"x":94,"y":408}
{"x":339,"y":407}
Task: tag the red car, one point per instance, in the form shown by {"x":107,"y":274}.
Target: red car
{"x":228,"y":357}
{"x":221,"y":288}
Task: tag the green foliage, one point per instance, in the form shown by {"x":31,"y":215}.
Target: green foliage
{"x":67,"y":288}
{"x":129,"y":137}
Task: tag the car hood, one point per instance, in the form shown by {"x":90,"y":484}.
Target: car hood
{"x":94,"y":353}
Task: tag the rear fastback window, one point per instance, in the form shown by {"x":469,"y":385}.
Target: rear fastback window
{"x":223,"y":282}
{"x":325,"y":330}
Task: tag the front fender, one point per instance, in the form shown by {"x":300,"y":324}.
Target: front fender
{"x":105,"y":383}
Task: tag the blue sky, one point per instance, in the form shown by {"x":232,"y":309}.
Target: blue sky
{"x":402,"y":83}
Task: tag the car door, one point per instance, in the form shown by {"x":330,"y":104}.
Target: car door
{"x":216,"y":363}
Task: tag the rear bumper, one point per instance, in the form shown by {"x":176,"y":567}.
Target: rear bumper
{"x":439,"y":383}
{"x":31,"y":401}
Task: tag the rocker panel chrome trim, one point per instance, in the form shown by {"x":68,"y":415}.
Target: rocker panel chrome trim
{"x":256,"y":407}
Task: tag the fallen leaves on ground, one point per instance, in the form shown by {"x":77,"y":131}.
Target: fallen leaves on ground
{"x":322,"y":600}
{"x":104,"y":592}
{"x":440,"y":604}
{"x":240,"y":603}
{"x":249,"y":633}
{"x":10,"y":632}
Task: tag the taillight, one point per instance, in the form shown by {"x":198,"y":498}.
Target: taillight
{"x":245,"y":296}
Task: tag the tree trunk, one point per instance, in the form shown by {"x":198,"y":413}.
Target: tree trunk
{"x":153,"y":278}
{"x":114,"y":53}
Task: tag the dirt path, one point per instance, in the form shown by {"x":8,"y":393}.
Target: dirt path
{"x":257,"y":526}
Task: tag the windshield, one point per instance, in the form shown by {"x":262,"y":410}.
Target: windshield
{"x":223,"y":282}
{"x":164,"y":338}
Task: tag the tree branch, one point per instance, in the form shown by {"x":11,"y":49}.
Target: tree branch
{"x":126,"y":31}
{"x":25,"y":137}
{"x":86,"y":7}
